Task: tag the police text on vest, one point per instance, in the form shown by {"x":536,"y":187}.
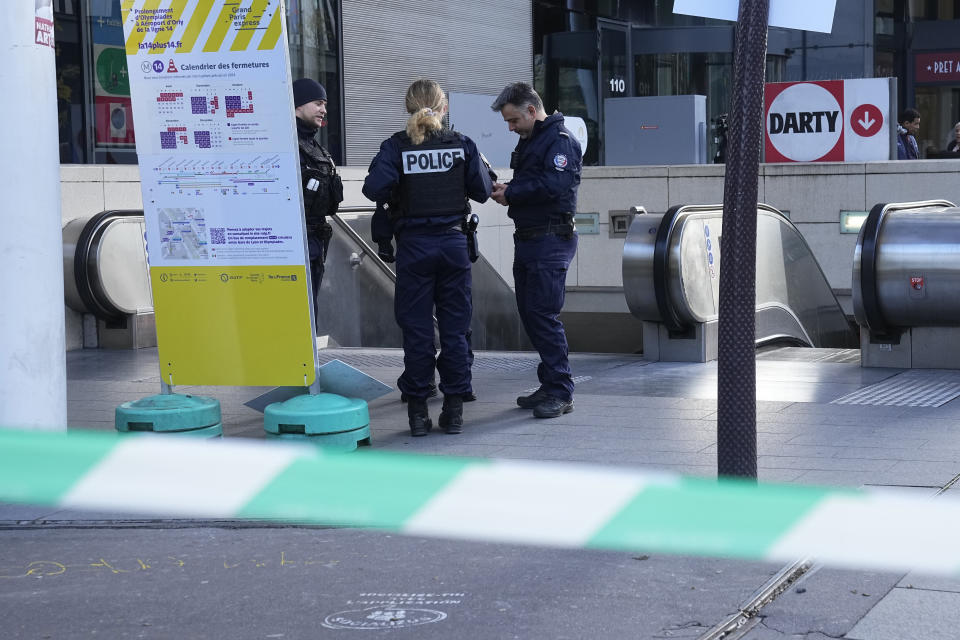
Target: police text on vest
{"x":430,"y":160}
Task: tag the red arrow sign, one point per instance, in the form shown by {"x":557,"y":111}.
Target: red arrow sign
{"x":866,"y":120}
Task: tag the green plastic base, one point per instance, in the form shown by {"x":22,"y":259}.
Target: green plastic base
{"x":316,"y":414}
{"x":344,"y":441}
{"x":213,"y":431}
{"x":168,"y":412}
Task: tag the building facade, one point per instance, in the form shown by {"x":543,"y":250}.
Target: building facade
{"x":577,"y":53}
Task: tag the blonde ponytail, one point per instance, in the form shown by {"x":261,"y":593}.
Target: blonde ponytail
{"x":425,"y":102}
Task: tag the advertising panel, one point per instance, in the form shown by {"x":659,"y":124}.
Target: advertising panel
{"x":210,"y":85}
{"x":113,"y":112}
{"x":828,"y":121}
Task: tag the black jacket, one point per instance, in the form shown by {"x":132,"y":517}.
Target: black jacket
{"x":546,"y":174}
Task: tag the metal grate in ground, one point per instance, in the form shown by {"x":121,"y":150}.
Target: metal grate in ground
{"x":917,"y":388}
{"x":482,"y":362}
{"x":806,"y":354}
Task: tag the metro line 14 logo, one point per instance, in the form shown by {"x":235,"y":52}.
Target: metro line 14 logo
{"x":804,"y":121}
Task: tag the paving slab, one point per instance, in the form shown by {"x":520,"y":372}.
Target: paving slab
{"x":911,"y":614}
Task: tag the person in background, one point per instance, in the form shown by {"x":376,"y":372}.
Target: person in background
{"x":907,"y":129}
{"x":954,"y":145}
{"x":421,"y":179}
{"x":322,"y":186}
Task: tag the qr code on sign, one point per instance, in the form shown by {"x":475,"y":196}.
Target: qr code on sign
{"x":217,"y":236}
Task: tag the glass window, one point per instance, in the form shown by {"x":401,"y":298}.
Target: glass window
{"x":313,"y":28}
{"x":939,"y":109}
{"x":71,"y":83}
{"x":933,"y":9}
{"x":114,"y":135}
{"x":93,"y":85}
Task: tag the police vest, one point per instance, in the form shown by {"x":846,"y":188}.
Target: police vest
{"x":316,"y":165}
{"x":434,"y":175}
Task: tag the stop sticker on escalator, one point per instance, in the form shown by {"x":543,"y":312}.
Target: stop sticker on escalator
{"x":828,"y":121}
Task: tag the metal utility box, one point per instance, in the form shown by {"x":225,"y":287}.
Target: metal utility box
{"x":655,"y":130}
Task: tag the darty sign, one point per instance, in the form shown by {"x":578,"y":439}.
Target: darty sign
{"x":828,"y":121}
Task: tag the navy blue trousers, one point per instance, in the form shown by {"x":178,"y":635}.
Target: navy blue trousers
{"x":433,"y":272}
{"x":540,"y":278}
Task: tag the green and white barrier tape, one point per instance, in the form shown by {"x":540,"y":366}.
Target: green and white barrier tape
{"x":539,"y":503}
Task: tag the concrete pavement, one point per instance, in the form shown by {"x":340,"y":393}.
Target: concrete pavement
{"x":68,"y":574}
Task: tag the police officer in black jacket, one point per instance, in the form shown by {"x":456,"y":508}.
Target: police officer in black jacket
{"x":322,"y":187}
{"x":542,"y":198}
{"x":424,"y":176}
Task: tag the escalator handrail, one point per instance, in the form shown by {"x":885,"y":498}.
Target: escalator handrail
{"x":661,"y":268}
{"x":869,"y":238}
{"x":91,"y":233}
{"x":358,"y":239}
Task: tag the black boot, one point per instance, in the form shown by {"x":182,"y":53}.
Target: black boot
{"x":532,"y":400}
{"x":420,"y":424}
{"x":451,"y":418}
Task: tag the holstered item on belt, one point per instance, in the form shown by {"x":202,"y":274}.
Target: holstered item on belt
{"x":469,"y":229}
{"x":321,"y":231}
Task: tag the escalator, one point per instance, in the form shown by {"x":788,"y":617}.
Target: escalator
{"x":671,"y":276}
{"x":105,"y":265}
{"x":106,"y":275}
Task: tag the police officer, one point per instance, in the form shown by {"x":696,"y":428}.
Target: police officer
{"x":322,"y":187}
{"x":423,"y":176}
{"x":542,"y":198}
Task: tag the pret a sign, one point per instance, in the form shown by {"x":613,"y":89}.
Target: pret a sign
{"x":828,"y":121}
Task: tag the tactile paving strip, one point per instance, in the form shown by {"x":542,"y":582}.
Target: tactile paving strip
{"x":915,"y":388}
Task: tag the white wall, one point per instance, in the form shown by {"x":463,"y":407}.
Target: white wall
{"x":387,"y":44}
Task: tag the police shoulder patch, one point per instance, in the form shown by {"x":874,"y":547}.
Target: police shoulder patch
{"x":560,"y":161}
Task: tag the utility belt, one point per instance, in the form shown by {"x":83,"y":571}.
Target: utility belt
{"x":561,"y":225}
{"x":429,"y":231}
{"x":467,"y":226}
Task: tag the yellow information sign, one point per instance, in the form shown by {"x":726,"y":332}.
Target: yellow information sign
{"x":253,"y":346}
{"x":219,"y":168}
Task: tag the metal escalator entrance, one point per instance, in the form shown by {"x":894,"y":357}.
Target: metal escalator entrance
{"x":671,"y":277}
{"x":105,"y":266}
{"x":906,"y":273}
{"x":106,"y":275}
{"x":359,"y":288}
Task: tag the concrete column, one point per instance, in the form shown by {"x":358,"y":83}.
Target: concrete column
{"x":33,"y":381}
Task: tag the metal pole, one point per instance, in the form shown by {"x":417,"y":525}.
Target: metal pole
{"x":736,"y":366}
{"x":33,"y":380}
